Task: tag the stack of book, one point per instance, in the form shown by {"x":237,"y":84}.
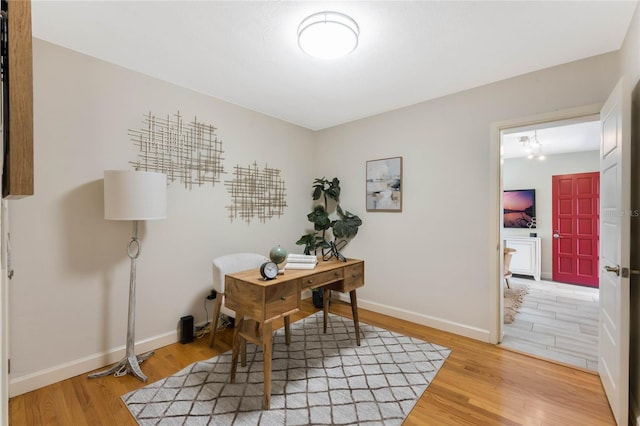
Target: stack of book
{"x":301,"y":261}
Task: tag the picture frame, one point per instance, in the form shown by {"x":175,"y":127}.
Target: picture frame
{"x":519,"y":208}
{"x":384,"y":185}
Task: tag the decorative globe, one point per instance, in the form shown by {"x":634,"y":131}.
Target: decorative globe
{"x":277,"y":254}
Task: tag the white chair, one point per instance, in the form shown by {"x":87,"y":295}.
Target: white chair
{"x":229,"y":264}
{"x":508,"y":254}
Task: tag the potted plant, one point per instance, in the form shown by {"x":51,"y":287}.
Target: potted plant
{"x":329,"y":235}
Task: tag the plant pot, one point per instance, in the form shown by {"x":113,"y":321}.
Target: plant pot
{"x":316,"y":297}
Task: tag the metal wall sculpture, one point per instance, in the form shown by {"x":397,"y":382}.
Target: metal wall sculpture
{"x":191,"y":152}
{"x":256,"y":193}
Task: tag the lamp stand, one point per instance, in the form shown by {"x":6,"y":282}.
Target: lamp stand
{"x":131,"y":362}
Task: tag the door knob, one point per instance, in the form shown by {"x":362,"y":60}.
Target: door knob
{"x":556,"y":234}
{"x":614,"y":269}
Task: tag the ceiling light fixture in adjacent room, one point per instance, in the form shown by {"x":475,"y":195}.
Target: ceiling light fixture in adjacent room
{"x":533,"y":148}
{"x":328,"y":35}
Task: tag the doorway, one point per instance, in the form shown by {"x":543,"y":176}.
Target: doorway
{"x":555,"y":320}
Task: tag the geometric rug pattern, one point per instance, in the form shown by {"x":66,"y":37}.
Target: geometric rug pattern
{"x":319,"y":379}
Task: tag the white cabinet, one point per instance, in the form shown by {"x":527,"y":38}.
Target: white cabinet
{"x":526,"y":259}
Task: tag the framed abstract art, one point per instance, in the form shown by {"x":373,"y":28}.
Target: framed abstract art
{"x":384,"y":185}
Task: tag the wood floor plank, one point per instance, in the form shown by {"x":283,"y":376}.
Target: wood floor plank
{"x":479,"y":384}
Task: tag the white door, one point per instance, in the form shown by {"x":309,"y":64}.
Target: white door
{"x":615,"y":200}
{"x":4,"y":316}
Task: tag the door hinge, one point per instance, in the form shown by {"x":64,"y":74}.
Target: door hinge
{"x":624,"y":272}
{"x":9,"y":366}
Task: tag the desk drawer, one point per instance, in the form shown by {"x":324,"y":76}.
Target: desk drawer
{"x":322,"y":278}
{"x":281,"y":298}
{"x":353,"y":277}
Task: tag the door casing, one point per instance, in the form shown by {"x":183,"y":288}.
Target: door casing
{"x":495,"y":192}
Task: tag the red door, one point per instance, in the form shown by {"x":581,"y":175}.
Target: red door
{"x":575,"y":228}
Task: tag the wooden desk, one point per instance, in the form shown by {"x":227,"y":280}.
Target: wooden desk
{"x":251,"y":297}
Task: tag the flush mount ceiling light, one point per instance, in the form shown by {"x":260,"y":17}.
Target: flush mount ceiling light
{"x":328,"y":35}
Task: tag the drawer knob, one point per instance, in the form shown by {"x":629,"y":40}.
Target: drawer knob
{"x":283,"y":298}
{"x":336,"y":274}
{"x":310,"y":281}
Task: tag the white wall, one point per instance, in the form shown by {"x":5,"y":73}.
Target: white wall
{"x":431,"y":263}
{"x":522,"y":173}
{"x":70,"y":289}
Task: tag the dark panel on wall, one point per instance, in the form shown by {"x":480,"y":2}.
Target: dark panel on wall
{"x":18,"y":168}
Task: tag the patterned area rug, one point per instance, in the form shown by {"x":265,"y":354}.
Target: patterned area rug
{"x":513,"y":300}
{"x":319,"y":379}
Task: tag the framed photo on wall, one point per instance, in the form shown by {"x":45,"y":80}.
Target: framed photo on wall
{"x":519,"y":208}
{"x":384,"y":185}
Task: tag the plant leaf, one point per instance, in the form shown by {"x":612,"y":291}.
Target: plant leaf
{"x":333,"y":191}
{"x":305,"y":239}
{"x":320,"y":218}
{"x":322,"y":243}
{"x":309,"y":242}
{"x":317,"y":192}
{"x":347,"y":226}
{"x":319,"y":186}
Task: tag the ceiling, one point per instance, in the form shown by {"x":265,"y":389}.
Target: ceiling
{"x":556,"y":138}
{"x":246,"y":52}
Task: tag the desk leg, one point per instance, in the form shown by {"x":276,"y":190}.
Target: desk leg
{"x":287,"y":331}
{"x":236,"y":345}
{"x":325,"y":307}
{"x":354,"y":312}
{"x":267,"y":355}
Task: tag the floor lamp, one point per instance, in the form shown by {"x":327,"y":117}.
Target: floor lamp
{"x":133,"y":195}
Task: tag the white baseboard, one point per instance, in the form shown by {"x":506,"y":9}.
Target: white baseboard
{"x":70,"y":369}
{"x":38,"y":379}
{"x":422,"y":319}
{"x":634,"y":412}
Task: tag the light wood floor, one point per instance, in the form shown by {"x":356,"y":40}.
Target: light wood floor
{"x":479,"y":384}
{"x":556,"y":321}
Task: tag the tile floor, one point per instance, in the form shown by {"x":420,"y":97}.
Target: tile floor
{"x":556,"y":321}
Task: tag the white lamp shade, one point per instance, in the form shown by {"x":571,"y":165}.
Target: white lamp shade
{"x":134,"y":195}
